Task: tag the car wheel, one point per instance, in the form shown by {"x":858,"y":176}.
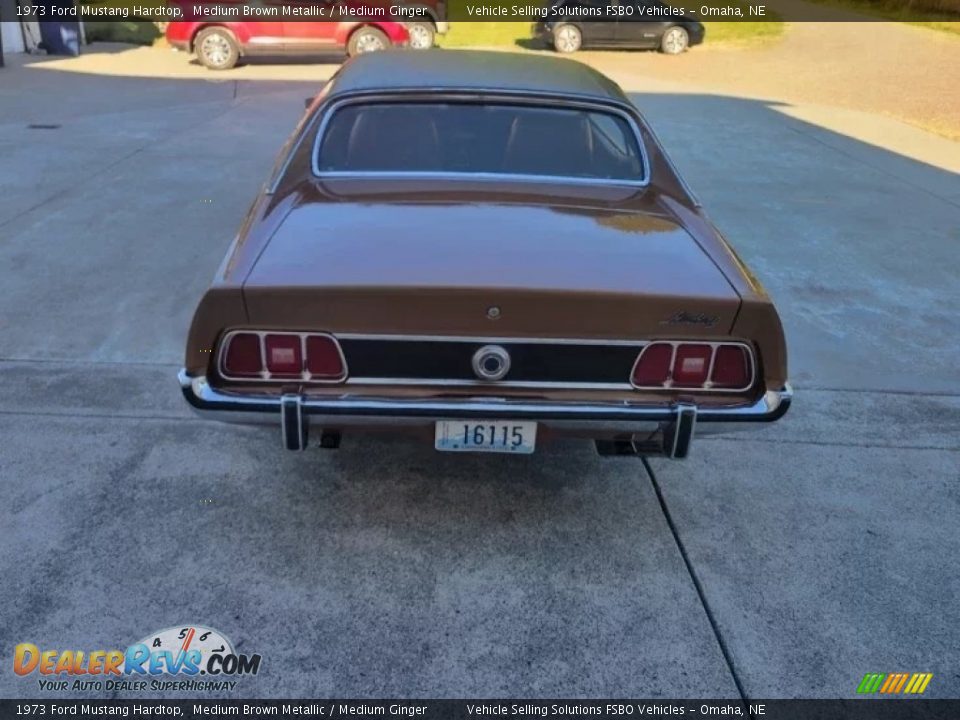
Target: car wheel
{"x":674,"y":41}
{"x":422,"y":35}
{"x":567,"y":38}
{"x":367,"y":39}
{"x":217,"y":49}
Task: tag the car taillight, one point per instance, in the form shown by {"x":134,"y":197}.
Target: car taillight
{"x":691,"y":365}
{"x":731,"y":367}
{"x":283,"y":353}
{"x":694,"y":365}
{"x":283,"y":356}
{"x":242,"y":357}
{"x":323,"y":357}
{"x":653,"y":365}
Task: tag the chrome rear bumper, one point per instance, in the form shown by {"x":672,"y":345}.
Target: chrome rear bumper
{"x":672,"y":426}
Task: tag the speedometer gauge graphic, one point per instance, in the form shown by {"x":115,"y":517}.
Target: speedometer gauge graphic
{"x":184,"y":638}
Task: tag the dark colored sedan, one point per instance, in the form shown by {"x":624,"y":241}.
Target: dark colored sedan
{"x":642,"y":24}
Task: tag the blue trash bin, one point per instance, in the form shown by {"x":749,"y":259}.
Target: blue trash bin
{"x":60,"y":38}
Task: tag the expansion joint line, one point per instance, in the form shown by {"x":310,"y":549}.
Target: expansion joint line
{"x":725,"y":651}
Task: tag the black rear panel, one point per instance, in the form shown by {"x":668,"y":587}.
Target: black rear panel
{"x":435,"y":360}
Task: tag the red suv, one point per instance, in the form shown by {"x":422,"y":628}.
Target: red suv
{"x":220,"y":45}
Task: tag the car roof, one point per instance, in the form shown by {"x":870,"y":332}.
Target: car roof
{"x":473,"y":70}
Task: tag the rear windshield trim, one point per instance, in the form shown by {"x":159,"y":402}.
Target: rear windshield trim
{"x":551,"y":102}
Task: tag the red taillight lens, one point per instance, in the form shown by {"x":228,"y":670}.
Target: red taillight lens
{"x":691,"y":365}
{"x":323,"y":357}
{"x":731,"y":367}
{"x":687,"y":365}
{"x":653,"y":366}
{"x":243,"y":355}
{"x":283,"y":354}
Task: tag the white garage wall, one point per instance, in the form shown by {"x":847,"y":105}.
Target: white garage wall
{"x":12,"y":37}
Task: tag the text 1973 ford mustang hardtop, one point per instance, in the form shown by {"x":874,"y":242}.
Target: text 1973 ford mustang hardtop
{"x":491,"y":249}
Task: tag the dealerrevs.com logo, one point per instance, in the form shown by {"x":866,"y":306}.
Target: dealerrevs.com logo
{"x":188,"y":658}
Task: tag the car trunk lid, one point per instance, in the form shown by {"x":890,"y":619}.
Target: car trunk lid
{"x":503,"y":269}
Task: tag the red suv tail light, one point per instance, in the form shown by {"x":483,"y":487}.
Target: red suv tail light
{"x":242,"y":357}
{"x":282,"y":357}
{"x":694,"y":365}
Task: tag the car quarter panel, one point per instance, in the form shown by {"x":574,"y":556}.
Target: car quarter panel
{"x":758,"y":318}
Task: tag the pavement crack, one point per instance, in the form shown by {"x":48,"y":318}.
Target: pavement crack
{"x":72,"y":187}
{"x":93,"y":363}
{"x":84,"y":182}
{"x":725,"y":651}
{"x":71,"y":414}
{"x":825,"y":443}
{"x":880,"y":391}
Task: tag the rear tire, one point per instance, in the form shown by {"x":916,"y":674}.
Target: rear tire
{"x":674,"y":41}
{"x":422,"y":35}
{"x":567,"y":38}
{"x":367,"y":39}
{"x":216,"y":48}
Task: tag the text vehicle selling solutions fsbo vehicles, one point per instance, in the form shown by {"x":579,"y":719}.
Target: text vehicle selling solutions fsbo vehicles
{"x":489,"y":250}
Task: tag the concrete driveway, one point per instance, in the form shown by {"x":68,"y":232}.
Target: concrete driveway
{"x":783,"y":564}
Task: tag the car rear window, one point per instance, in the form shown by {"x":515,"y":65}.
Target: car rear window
{"x":470,"y":138}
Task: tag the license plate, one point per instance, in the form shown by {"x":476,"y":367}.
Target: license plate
{"x":502,"y":436}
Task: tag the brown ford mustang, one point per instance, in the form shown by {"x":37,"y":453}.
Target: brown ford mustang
{"x":490,"y":249}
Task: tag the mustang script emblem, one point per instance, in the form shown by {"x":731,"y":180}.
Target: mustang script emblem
{"x":684,"y":318}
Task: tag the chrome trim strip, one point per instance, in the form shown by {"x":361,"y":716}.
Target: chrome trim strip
{"x":471,"y":177}
{"x":543,"y":384}
{"x":479,"y":97}
{"x":202,"y":397}
{"x":485,"y":339}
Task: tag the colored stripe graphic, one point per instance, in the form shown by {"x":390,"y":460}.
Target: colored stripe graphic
{"x":871,"y":682}
{"x":903,"y":679}
{"x":918,"y":683}
{"x":895,"y":683}
{"x":892,"y":680}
